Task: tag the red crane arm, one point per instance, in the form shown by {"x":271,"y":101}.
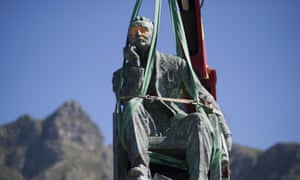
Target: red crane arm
{"x":191,"y":17}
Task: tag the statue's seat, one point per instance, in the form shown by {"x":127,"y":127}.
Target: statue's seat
{"x":157,"y":144}
{"x":173,"y":149}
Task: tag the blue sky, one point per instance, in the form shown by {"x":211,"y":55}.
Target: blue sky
{"x":59,"y":50}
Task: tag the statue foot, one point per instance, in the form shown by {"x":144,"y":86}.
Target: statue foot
{"x":139,"y":173}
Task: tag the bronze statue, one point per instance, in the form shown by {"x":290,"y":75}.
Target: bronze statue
{"x":164,"y":117}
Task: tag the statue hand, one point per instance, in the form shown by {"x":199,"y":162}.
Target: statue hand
{"x":226,"y":171}
{"x":132,"y":56}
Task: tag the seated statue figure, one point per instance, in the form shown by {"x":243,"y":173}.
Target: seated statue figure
{"x":170,"y":78}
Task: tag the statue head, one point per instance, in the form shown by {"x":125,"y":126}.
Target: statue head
{"x":140,"y":32}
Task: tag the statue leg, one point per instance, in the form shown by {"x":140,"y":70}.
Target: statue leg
{"x":137,"y":133}
{"x":198,"y":139}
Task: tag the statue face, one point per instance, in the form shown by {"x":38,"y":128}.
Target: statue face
{"x":140,"y":34}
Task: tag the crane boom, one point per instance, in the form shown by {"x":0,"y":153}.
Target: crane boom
{"x":190,"y":11}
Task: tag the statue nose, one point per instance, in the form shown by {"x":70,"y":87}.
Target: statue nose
{"x":139,"y":32}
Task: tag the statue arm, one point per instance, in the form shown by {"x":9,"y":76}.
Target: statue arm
{"x":204,"y":95}
{"x":226,"y":132}
{"x":133,"y":78}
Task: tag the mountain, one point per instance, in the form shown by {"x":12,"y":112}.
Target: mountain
{"x":66,"y":145}
{"x":279,"y":162}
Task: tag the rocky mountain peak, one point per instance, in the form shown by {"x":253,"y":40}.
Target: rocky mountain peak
{"x":69,"y":109}
{"x":24,"y":119}
{"x":22,"y":132}
{"x":65,"y":145}
{"x":280,"y":162}
{"x":70,"y":124}
{"x":72,"y":107}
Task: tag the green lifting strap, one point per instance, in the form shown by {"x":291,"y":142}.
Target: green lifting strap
{"x":182,"y":47}
{"x":135,"y":102}
{"x":181,"y":42}
{"x":133,"y":16}
{"x":168,"y":161}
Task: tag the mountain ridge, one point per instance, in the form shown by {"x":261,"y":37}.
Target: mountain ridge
{"x":65,"y":145}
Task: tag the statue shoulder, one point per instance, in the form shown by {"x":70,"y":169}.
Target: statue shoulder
{"x":117,"y":72}
{"x":172,"y":59}
{"x":169,"y":56}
